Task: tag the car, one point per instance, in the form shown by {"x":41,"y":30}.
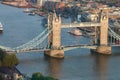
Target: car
{"x":118,"y":42}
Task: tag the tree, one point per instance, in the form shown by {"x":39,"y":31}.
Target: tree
{"x":1,"y":54}
{"x":7,"y":60}
{"x":49,"y":78}
{"x":37,"y":76}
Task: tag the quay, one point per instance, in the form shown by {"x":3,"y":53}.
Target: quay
{"x":18,"y":4}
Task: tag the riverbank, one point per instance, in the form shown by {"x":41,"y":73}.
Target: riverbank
{"x":17,"y":4}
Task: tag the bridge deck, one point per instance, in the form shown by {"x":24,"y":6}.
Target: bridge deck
{"x":81,"y":24}
{"x":66,"y":48}
{"x":25,"y":51}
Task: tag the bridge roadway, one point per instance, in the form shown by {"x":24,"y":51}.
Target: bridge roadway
{"x":81,"y":24}
{"x":70,"y":47}
{"x":29,"y":50}
{"x":65,"y":48}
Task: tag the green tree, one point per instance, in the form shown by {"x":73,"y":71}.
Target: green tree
{"x":7,"y":60}
{"x":1,"y":54}
{"x":49,"y":78}
{"x":37,"y":76}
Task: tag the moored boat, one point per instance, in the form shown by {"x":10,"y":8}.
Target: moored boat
{"x":1,"y":27}
{"x":31,"y":13}
{"x":26,"y":10}
{"x":75,"y":32}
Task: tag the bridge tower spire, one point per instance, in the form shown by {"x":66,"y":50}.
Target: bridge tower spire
{"x":104,"y":27}
{"x":103,"y":46}
{"x":54,"y":39}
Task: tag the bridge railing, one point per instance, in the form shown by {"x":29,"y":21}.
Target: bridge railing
{"x":70,"y":47}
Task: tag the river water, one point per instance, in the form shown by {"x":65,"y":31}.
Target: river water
{"x":78,"y":64}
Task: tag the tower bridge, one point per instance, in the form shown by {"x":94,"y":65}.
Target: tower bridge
{"x":100,"y":28}
{"x":53,"y":47}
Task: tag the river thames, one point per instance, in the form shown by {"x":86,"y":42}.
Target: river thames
{"x":78,"y":64}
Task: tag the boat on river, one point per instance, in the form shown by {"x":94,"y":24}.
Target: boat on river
{"x":76,"y":32}
{"x":1,"y":27}
{"x":27,"y":10}
{"x":31,"y":13}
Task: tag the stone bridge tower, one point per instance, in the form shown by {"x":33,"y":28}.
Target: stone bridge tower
{"x":54,"y":39}
{"x":104,"y":27}
{"x":103,"y":48}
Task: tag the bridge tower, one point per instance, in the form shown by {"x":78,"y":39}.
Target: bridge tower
{"x":54,"y":39}
{"x":103,"y":48}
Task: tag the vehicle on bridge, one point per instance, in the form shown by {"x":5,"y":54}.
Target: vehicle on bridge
{"x":118,"y":42}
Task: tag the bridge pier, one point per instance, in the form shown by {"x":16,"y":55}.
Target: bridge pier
{"x":102,"y":50}
{"x":54,"y":53}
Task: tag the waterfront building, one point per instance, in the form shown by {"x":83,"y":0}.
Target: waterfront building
{"x":92,"y":17}
{"x":39,"y":3}
{"x":8,"y":73}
